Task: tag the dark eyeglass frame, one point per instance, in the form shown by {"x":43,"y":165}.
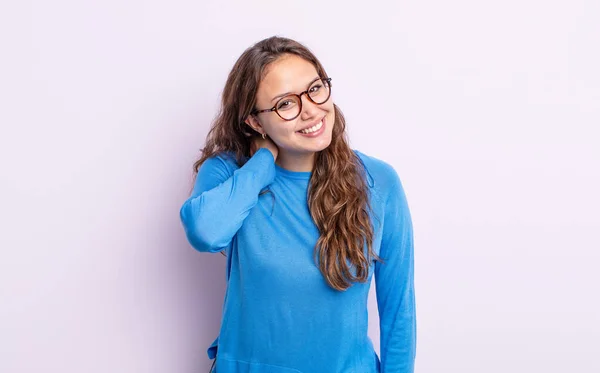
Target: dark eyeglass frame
{"x":299,"y":95}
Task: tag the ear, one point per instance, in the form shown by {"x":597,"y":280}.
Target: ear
{"x":254,"y":124}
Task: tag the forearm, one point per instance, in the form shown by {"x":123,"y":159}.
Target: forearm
{"x":212,"y":218}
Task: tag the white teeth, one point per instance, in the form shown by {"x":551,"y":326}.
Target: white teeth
{"x":313,"y":128}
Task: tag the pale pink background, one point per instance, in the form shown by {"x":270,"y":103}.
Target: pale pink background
{"x":489,"y":111}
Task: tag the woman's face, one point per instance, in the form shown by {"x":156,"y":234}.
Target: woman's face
{"x":292,"y":74}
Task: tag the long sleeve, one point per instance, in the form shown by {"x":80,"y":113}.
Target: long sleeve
{"x":394,"y":282}
{"x":221,"y":200}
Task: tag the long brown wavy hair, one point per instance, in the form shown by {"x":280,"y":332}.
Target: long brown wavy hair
{"x":338,"y":197}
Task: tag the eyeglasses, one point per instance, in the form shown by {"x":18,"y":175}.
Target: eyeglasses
{"x":290,"y":106}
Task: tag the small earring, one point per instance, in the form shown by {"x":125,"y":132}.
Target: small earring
{"x":264,"y":136}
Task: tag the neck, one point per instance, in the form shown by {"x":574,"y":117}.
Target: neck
{"x":296,"y":162}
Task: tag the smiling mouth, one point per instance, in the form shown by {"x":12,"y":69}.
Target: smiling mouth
{"x":313,"y":129}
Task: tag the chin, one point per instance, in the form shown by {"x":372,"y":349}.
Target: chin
{"x":322,"y":145}
{"x":314,"y":148}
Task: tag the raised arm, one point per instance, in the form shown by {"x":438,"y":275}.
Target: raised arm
{"x":394,"y":281}
{"x":220,"y":201}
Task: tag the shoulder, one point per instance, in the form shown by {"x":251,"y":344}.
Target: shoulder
{"x":224,"y":161}
{"x":385,"y":179}
{"x":214,"y":170}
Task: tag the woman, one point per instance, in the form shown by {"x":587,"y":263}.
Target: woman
{"x":305,"y":221}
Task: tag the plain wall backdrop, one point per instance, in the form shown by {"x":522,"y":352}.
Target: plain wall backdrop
{"x":489,"y":111}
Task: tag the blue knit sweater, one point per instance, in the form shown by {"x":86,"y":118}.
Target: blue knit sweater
{"x":279,"y":314}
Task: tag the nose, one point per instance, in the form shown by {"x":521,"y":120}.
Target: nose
{"x":309,"y":108}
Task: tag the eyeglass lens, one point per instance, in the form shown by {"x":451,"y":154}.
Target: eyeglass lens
{"x":289,"y":106}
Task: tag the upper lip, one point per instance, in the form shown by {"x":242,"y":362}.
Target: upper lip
{"x":312,"y":124}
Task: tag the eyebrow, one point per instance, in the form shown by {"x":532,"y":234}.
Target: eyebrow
{"x":287,"y":93}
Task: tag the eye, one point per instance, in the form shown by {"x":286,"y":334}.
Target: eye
{"x":315,"y":88}
{"x":285,"y":104}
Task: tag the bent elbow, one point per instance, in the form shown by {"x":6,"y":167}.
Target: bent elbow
{"x":197,"y":235}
